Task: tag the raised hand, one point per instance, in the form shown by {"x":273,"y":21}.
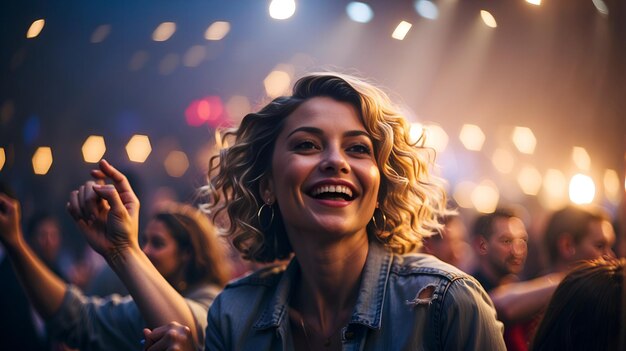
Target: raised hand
{"x":106,"y":213}
{"x":172,"y":336}
{"x":10,"y":216}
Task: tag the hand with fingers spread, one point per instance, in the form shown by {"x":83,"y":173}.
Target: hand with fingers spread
{"x":170,"y":337}
{"x":10,"y":214}
{"x":106,"y":213}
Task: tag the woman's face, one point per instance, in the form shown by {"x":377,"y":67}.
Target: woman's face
{"x":163,"y":251}
{"x":324,"y":174}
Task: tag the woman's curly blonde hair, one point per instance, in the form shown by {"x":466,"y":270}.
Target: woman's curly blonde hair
{"x":410,"y":197}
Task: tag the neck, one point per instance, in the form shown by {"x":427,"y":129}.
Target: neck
{"x":330,"y":279}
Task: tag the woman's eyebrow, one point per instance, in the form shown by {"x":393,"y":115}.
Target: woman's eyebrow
{"x":318,"y":131}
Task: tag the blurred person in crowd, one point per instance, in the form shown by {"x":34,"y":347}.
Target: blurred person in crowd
{"x":19,"y":325}
{"x":500,"y":242}
{"x":572,"y":234}
{"x":451,"y":244}
{"x":181,"y":248}
{"x":586,"y":312}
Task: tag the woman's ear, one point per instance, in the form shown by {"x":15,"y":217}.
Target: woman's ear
{"x":266,"y":189}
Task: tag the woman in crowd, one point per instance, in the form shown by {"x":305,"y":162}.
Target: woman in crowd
{"x":329,"y":178}
{"x":181,"y":254}
{"x":586,"y":311}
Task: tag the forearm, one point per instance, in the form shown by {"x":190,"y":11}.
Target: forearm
{"x":521,"y":301}
{"x":157,"y":300}
{"x":44,"y":288}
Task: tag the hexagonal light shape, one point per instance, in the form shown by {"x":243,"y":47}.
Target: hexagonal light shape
{"x":485,"y":197}
{"x":3,"y":158}
{"x":138,"y":148}
{"x":581,"y":158}
{"x":176,"y":164}
{"x":529,"y":180}
{"x":93,"y":148}
{"x":524,"y":140}
{"x":472,"y":137}
{"x":42,"y":160}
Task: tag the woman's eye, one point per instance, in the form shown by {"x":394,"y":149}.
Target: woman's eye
{"x":359,"y":148}
{"x":305,"y":145}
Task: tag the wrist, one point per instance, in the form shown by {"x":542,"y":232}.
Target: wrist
{"x":121,"y":255}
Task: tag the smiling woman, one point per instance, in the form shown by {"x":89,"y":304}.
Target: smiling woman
{"x":329,"y":177}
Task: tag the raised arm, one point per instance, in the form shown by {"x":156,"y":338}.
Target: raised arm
{"x":108,"y":216}
{"x":44,"y":288}
{"x":520,"y":301}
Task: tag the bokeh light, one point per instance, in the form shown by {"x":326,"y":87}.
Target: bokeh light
{"x":176,"y":163}
{"x":237,"y":107}
{"x":93,"y":148}
{"x":582,"y":189}
{"x":581,"y":158}
{"x":534,"y":2}
{"x":427,"y":9}
{"x":3,"y":158}
{"x":503,"y":161}
{"x":463,"y":194}
{"x":472,"y":137}
{"x":164,"y":31}
{"x":138,"y":148}
{"x":524,"y":140}
{"x":359,"y":12}
{"x":554,"y":190}
{"x":485,"y":197}
{"x":601,"y":6}
{"x":277,"y":83}
{"x":35,"y":28}
{"x":612,"y":188}
{"x":42,"y":160}
{"x":217,"y":30}
{"x":529,"y":180}
{"x":100,"y":33}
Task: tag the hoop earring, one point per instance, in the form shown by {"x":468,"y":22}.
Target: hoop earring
{"x":384,"y":218}
{"x":259,"y":214}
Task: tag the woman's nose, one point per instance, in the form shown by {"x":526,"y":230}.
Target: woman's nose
{"x":334,"y":160}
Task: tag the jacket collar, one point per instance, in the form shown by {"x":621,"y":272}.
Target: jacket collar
{"x":369,"y":305}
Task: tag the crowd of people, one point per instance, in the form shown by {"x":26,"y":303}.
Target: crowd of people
{"x":352,"y":239}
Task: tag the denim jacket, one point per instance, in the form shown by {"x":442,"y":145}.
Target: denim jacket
{"x":405,"y":302}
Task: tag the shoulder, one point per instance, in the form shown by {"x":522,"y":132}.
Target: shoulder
{"x":416,"y":264}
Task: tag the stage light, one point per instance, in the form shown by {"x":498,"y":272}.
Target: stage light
{"x":401,"y":30}
{"x":554,"y":190}
{"x":35,"y":28}
{"x":601,"y":6}
{"x":488,"y":19}
{"x":359,"y":12}
{"x":194,"y":56}
{"x":463,"y":194}
{"x":282,"y":9}
{"x":42,"y":160}
{"x":138,"y":60}
{"x":534,"y":2}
